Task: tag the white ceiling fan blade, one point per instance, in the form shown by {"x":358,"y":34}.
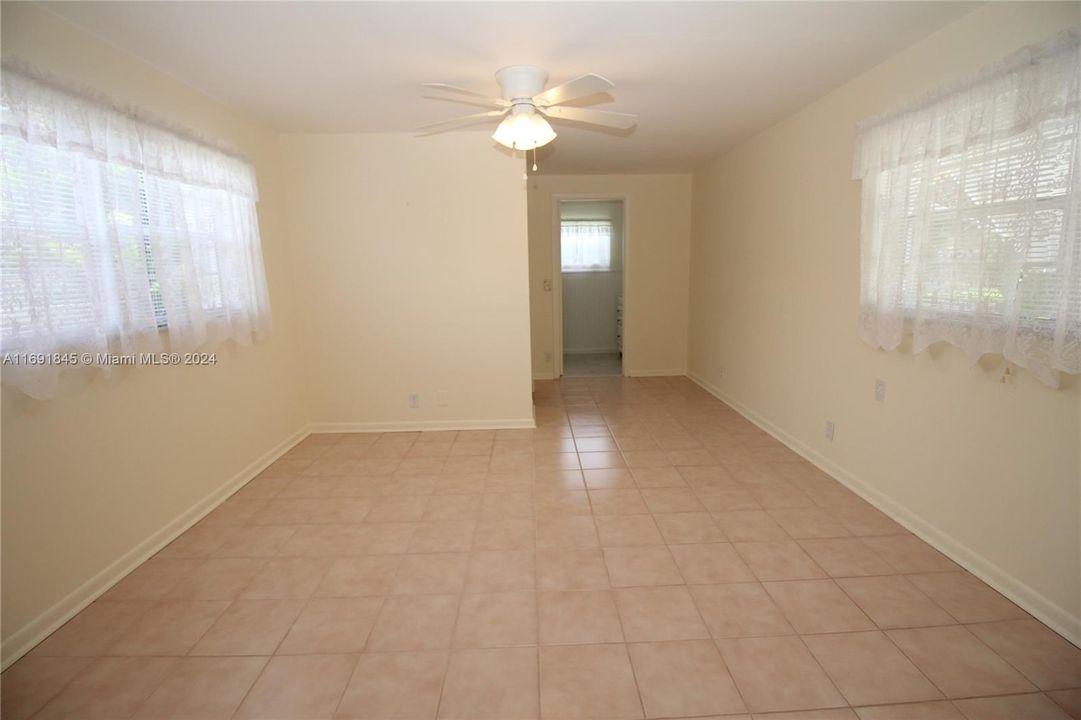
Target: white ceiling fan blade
{"x":460,"y":121}
{"x":584,"y":86}
{"x":476,"y":97}
{"x":607,"y":118}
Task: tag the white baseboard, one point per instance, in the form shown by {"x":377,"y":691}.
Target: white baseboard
{"x":1031,"y":600}
{"x":591,"y":351}
{"x":25,"y":638}
{"x":654,"y":373}
{"x":414,"y":425}
{"x":546,"y":375}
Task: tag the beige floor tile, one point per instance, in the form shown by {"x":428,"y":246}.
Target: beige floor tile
{"x":92,"y":631}
{"x":557,"y":481}
{"x":734,"y":499}
{"x":671,"y":500}
{"x":817,"y":606}
{"x":398,"y":508}
{"x":340,"y":510}
{"x":218,"y":579}
{"x":658,"y":477}
{"x":109,"y":688}
{"x":497,"y":684}
{"x":33,"y":681}
{"x":1011,"y":707}
{"x":443,"y":536}
{"x":868,"y":669}
{"x":575,"y":569}
{"x":169,"y":628}
{"x":578,"y":617}
{"x":688,"y":527}
{"x":332,"y":625}
{"x":684,"y":678}
{"x":1068,"y":700}
{"x":627,"y":530}
{"x":659,"y":613}
{"x":377,"y":539}
{"x":739,"y":610}
{"x":500,"y":570}
{"x":617,"y":478}
{"x":595,"y":444}
{"x":598,"y":460}
{"x":617,"y":502}
{"x":556,"y":461}
{"x":826,"y":714}
{"x":202,"y":687}
{"x":567,"y":531}
{"x":862,"y":519}
{"x":395,"y":686}
{"x":504,"y":619}
{"x":369,"y":575}
{"x":430,"y":574}
{"x":967,"y":598}
{"x":638,"y":566}
{"x":587,"y":681}
{"x":894,"y":602}
{"x":569,"y":502}
{"x":909,"y":554}
{"x":453,"y":507}
{"x":201,"y":540}
{"x":1043,"y":656}
{"x":249,"y":627}
{"x":846,"y":557}
{"x":153,"y":580}
{"x":709,"y":563}
{"x":513,"y":534}
{"x":298,"y":687}
{"x":777,"y":674}
{"x":937,"y":710}
{"x":778,"y":561}
{"x":286,"y":578}
{"x":505,"y":505}
{"x":414,"y":622}
{"x":958,"y":663}
{"x":750,"y":526}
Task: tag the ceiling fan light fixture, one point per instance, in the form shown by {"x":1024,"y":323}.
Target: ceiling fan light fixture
{"x":524,"y":131}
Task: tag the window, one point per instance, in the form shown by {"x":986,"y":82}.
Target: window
{"x":117,"y":232}
{"x":971,"y":216}
{"x":586,"y":245}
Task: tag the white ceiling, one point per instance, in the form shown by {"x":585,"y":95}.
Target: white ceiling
{"x":701,"y":76}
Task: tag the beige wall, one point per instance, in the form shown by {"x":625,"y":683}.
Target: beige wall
{"x":411,"y":265}
{"x":987,"y":471}
{"x":93,"y":476}
{"x":656,"y":266}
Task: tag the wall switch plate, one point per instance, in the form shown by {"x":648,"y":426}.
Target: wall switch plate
{"x":829,"y":430}
{"x":880,"y":390}
{"x":414,"y":400}
{"x":442,"y":398}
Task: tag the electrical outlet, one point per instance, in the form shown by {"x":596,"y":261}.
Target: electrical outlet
{"x":829,"y":430}
{"x":880,"y":390}
{"x":414,"y":400}
{"x":442,"y":398}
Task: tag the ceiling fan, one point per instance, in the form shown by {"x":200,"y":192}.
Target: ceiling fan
{"x":525,"y":105}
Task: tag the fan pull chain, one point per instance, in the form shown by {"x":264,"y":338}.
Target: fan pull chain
{"x":534,"y":159}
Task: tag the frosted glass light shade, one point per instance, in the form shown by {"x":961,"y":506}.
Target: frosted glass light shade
{"x":524,"y":131}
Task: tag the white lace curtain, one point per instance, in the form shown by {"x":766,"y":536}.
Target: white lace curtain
{"x":115,"y":232}
{"x":971,"y":219}
{"x":586,"y":244}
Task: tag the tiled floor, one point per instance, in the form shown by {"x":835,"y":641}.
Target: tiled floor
{"x":644,"y":553}
{"x":592,"y":364}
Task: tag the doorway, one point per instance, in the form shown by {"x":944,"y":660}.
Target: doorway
{"x":591,"y":253}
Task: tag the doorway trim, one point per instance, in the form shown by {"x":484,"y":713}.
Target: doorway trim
{"x":557,"y":274}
